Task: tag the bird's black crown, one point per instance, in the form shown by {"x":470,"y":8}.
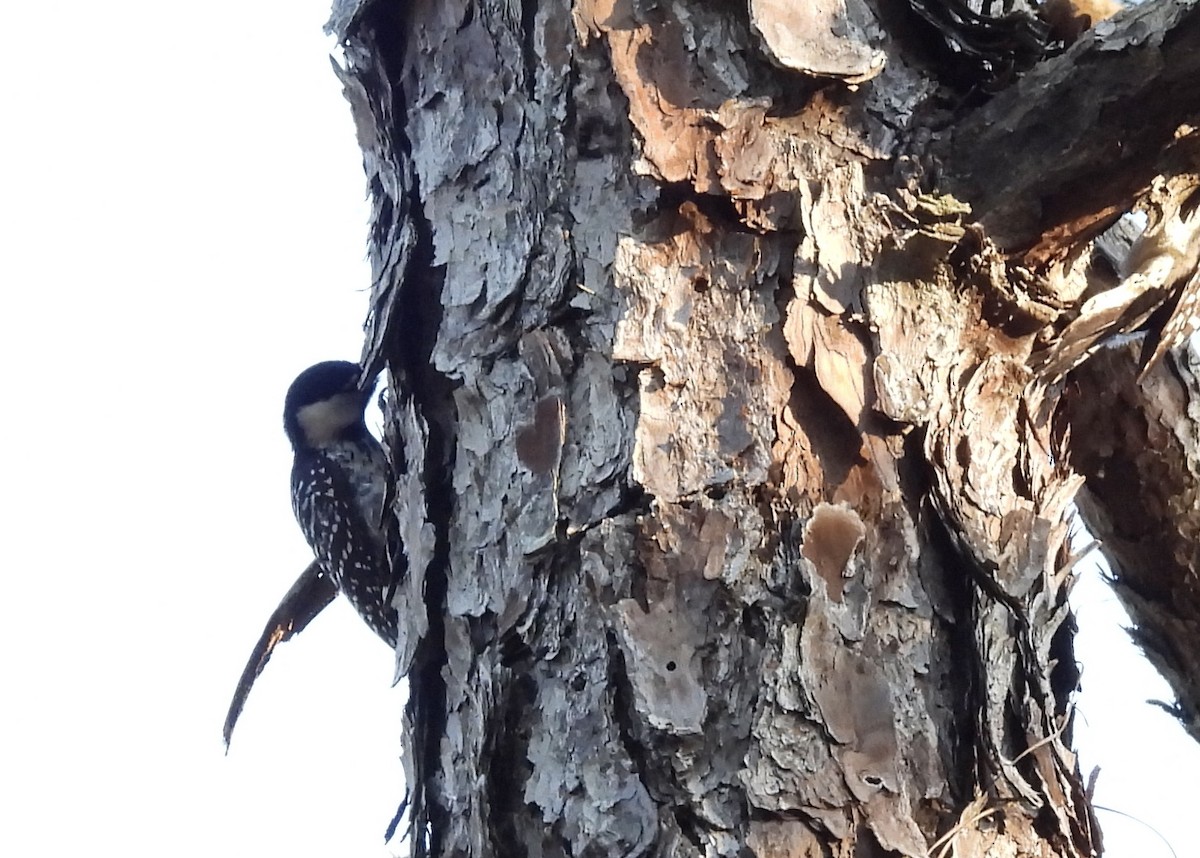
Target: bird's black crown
{"x":323,"y":382}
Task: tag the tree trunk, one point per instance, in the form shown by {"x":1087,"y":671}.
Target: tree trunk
{"x":737,"y":516}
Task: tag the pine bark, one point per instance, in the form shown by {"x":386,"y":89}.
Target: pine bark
{"x":736,"y":518}
{"x":1141,"y":458}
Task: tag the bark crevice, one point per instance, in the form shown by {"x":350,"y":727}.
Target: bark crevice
{"x":735,"y":525}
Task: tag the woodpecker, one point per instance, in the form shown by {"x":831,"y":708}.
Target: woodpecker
{"x":339,"y":492}
{"x":340,"y":486}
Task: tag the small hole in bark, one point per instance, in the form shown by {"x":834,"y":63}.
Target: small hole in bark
{"x":873,"y":780}
{"x":670,"y":665}
{"x":654,"y":379}
{"x":700,"y":284}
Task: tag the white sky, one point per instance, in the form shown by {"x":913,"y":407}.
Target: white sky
{"x":183,"y":229}
{"x":183,"y":224}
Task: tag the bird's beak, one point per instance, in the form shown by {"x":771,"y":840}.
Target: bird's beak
{"x":365,"y":383}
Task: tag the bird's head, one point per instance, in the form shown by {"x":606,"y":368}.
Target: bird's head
{"x":325,"y":404}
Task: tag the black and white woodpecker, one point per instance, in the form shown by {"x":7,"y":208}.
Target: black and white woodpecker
{"x":339,"y":494}
{"x":340,"y":486}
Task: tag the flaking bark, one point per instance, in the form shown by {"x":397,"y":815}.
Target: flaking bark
{"x":1055,"y":158}
{"x":1141,"y":457}
{"x":733,"y":517}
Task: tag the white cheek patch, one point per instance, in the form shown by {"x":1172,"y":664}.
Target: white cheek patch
{"x":323,"y":421}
